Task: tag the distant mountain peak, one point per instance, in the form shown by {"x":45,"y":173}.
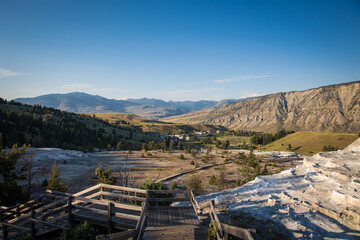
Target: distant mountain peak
{"x":80,"y":102}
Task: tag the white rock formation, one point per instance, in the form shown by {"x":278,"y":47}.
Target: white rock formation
{"x":319,"y":199}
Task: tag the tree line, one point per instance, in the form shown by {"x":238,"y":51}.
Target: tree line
{"x":48,"y":127}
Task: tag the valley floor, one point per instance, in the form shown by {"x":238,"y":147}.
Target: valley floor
{"x":78,"y":169}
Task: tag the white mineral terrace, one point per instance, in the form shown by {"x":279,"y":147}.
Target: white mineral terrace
{"x":319,"y":199}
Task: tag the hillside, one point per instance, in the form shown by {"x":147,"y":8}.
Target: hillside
{"x":124,"y":119}
{"x":48,"y":127}
{"x":310,"y":143}
{"x":334,"y":108}
{"x":148,"y":108}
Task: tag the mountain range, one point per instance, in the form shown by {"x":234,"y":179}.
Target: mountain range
{"x":154,"y":109}
{"x":334,"y":108}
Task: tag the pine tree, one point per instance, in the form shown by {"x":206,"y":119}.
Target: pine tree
{"x":55,"y":180}
{"x":119,"y":146}
{"x":105,"y":176}
{"x":180,"y":145}
{"x":171,"y":146}
{"x":164,"y":145}
{"x":265,"y":171}
{"x":143,"y":148}
{"x":10,"y":192}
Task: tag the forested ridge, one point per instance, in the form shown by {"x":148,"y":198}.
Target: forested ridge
{"x":48,"y":127}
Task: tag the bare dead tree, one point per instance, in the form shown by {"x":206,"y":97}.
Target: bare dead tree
{"x":30,"y":173}
{"x":125,"y":177}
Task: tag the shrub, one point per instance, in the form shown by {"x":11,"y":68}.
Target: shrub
{"x":194,"y":183}
{"x":82,"y":231}
{"x":148,"y":154}
{"x":192,"y":162}
{"x":174,"y":185}
{"x":329,"y":148}
{"x":181,"y":156}
{"x":213,"y":180}
{"x":150,"y":185}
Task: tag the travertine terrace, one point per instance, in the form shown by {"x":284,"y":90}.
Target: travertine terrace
{"x":316,"y":200}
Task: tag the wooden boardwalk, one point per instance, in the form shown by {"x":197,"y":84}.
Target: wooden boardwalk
{"x":127,"y":213}
{"x":174,"y":223}
{"x":114,"y":207}
{"x":166,"y":216}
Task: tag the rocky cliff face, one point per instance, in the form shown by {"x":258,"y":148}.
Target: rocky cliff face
{"x":334,"y":108}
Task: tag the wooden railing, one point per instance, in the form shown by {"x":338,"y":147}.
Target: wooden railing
{"x":222,"y":230}
{"x":154,"y":197}
{"x":168,"y":196}
{"x":132,"y":233}
{"x":7,"y":213}
{"x":101,"y":194}
{"x":113,"y":197}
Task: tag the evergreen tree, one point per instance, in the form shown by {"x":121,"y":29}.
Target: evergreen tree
{"x":55,"y":180}
{"x":265,"y":171}
{"x":10,"y":192}
{"x":252,"y":158}
{"x":108,"y":147}
{"x":180,"y":145}
{"x":227,"y":144}
{"x":194,"y":183}
{"x":171,"y":146}
{"x":105,"y":176}
{"x":164,"y":145}
{"x":118,"y":146}
{"x":144,"y":148}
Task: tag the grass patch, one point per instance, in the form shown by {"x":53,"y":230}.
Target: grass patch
{"x":310,"y":143}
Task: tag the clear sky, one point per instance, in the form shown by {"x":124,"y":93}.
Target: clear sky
{"x":176,"y":50}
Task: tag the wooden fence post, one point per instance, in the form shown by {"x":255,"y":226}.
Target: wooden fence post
{"x":18,"y":210}
{"x":4,"y":228}
{"x":32,"y":223}
{"x":101,"y":196}
{"x":69,"y":210}
{"x":110,"y":207}
{"x":5,"y":231}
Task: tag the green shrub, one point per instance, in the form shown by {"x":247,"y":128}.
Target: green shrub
{"x":192,"y":162}
{"x":150,"y":185}
{"x":82,"y":231}
{"x":194,"y":183}
{"x":174,"y":185}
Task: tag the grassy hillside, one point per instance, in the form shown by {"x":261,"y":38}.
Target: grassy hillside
{"x":309,"y":143}
{"x":124,"y":119}
{"x":49,"y":127}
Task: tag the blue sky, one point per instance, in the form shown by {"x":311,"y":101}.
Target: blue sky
{"x":176,"y":50}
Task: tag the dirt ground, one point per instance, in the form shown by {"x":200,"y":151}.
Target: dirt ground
{"x":156,"y":165}
{"x":78,"y":169}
